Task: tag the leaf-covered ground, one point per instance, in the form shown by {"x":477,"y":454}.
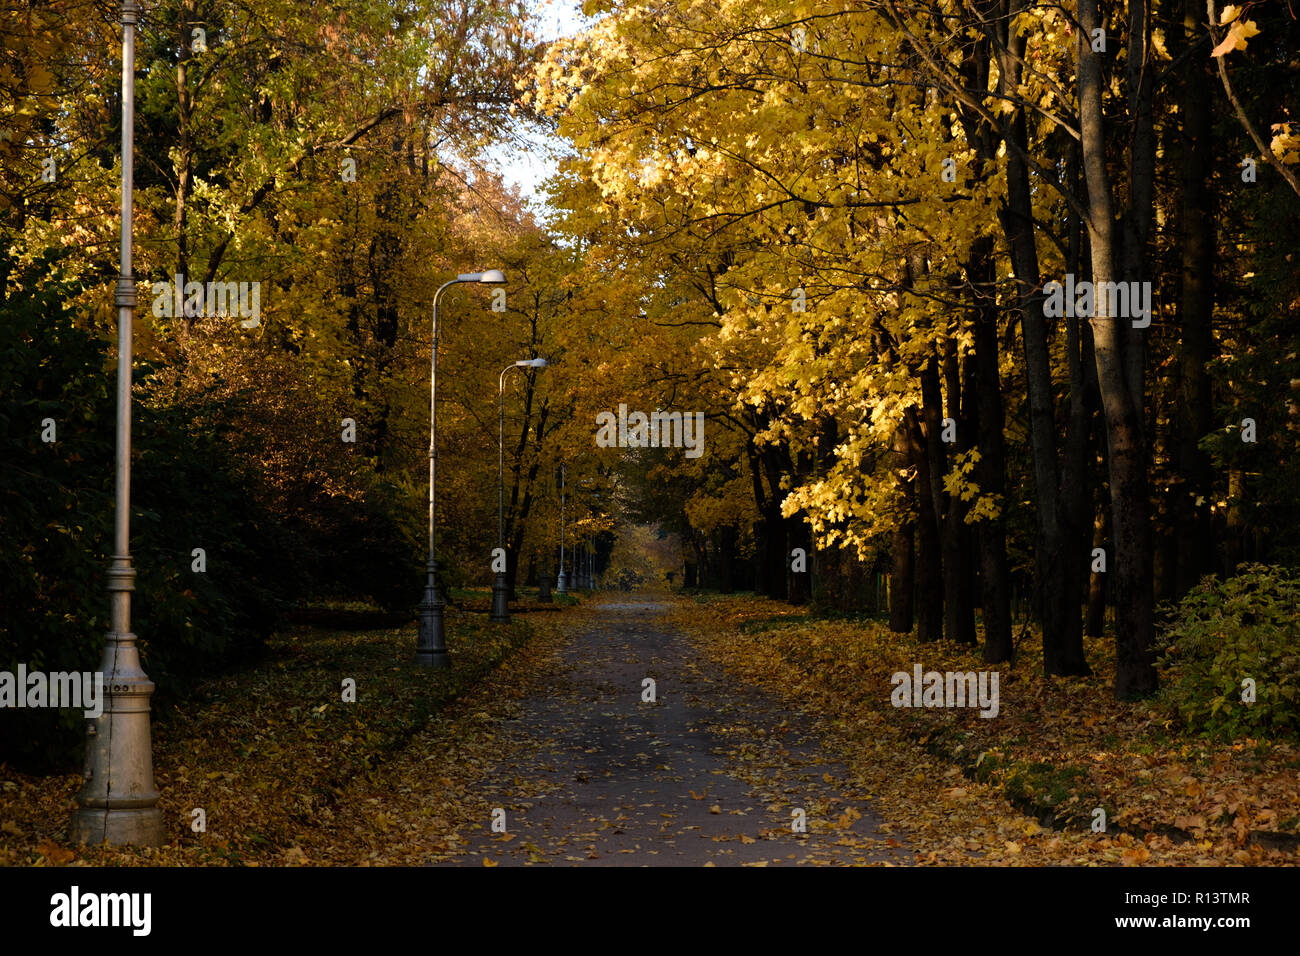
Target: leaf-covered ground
{"x":271,"y":753}
{"x":1020,"y":788}
{"x":759,"y":711}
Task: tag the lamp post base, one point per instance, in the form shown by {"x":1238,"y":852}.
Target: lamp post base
{"x":118,"y":798}
{"x":431,"y":646}
{"x":500,"y":599}
{"x":139,"y":827}
{"x":562,"y":585}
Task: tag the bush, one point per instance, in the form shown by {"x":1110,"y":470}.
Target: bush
{"x":1224,"y":632}
{"x":363,"y":549}
{"x":56,"y":520}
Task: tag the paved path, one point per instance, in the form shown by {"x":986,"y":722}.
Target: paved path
{"x":707,"y":774}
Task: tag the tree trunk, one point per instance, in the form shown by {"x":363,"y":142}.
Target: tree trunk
{"x":1193,"y":413}
{"x":928,"y":560}
{"x":959,"y":604}
{"x":799,"y":535}
{"x":1095,"y":622}
{"x":1131,"y":573}
{"x":990,"y":472}
{"x":1062,"y":643}
{"x":543,"y":585}
{"x":775,"y":551}
{"x":183,"y":163}
{"x":902,"y":580}
{"x":726,"y":541}
{"x":1234,"y":543}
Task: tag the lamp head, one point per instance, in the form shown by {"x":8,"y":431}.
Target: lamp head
{"x":491,"y":277}
{"x":532,"y":363}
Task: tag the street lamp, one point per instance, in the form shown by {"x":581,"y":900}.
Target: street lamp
{"x":431,"y":645}
{"x":562,"y":585}
{"x":500,"y":604}
{"x":119,"y":800}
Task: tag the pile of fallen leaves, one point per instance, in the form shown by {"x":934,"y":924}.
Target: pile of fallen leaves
{"x":275,"y":758}
{"x":1035,"y":784}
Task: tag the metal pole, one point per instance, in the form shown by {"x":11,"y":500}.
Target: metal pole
{"x":431,"y":645}
{"x":500,"y":603}
{"x":562,"y":585}
{"x":118,"y":801}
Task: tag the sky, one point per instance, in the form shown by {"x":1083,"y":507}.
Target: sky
{"x":529,"y":166}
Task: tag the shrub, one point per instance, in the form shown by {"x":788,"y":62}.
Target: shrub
{"x":56,"y":520}
{"x":1223,"y":632}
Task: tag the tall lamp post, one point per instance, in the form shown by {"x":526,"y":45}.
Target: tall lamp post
{"x":119,"y":801}
{"x":562,"y":584}
{"x":500,"y":604}
{"x":431,"y":645}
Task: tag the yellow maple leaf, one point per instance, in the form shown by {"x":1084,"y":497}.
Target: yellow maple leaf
{"x":1285,"y":144}
{"x":1238,"y":34}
